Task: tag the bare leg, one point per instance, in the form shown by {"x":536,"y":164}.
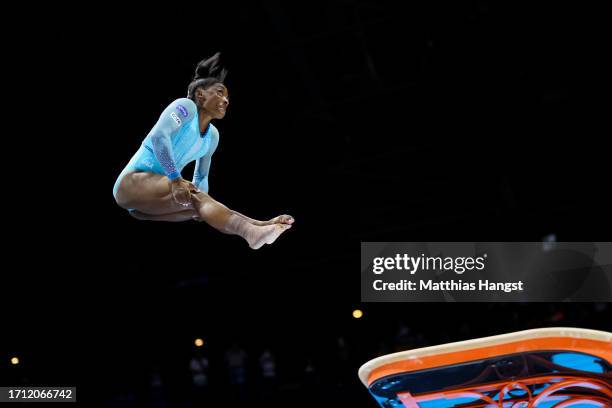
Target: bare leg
{"x":225,"y":220}
{"x":185,"y":215}
{"x":281,"y":219}
{"x":150,"y":195}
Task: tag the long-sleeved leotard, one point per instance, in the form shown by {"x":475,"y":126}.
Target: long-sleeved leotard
{"x":173,"y":142}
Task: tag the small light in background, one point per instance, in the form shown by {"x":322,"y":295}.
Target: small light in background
{"x":548,"y":242}
{"x":199,"y":342}
{"x":14,"y":361}
{"x":357,"y":314}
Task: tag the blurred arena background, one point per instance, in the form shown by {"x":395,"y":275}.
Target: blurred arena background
{"x":367,"y":121}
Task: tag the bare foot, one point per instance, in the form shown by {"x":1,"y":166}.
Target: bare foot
{"x":265,"y":234}
{"x":281,"y":219}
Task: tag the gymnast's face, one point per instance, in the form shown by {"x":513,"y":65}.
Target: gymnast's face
{"x":214,"y":100}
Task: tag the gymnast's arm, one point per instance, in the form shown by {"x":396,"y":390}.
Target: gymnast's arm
{"x":170,"y":122}
{"x":175,"y":116}
{"x":202,"y":168}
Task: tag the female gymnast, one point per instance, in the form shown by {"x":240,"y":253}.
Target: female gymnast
{"x":151,"y":187}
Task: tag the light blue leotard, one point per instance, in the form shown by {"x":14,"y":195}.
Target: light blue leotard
{"x":175,"y":141}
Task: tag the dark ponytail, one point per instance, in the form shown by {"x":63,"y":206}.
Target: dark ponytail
{"x":208,"y":72}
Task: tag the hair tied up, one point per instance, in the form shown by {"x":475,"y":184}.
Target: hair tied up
{"x":210,"y":68}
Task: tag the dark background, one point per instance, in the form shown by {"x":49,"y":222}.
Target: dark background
{"x":366,"y":121}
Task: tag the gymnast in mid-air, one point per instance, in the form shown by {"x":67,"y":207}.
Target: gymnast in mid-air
{"x":151,"y":188}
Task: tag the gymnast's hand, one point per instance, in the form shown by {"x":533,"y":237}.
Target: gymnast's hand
{"x":181,"y":191}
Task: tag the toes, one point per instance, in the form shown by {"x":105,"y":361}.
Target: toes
{"x":285,"y":219}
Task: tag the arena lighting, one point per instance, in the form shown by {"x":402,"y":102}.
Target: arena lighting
{"x":357,"y":314}
{"x":14,"y":361}
{"x":199,"y":342}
